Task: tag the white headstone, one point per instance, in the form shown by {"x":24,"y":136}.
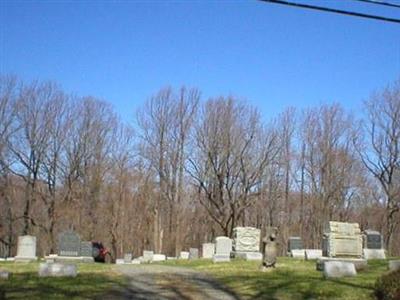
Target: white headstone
{"x":57,"y":270}
{"x":394,"y":265}
{"x":193,"y":253}
{"x":119,"y":261}
{"x":298,"y":253}
{"x":159,"y":257}
{"x":4,"y":274}
{"x":223,"y":245}
{"x":26,"y":249}
{"x":184,"y":255}
{"x":313,"y":253}
{"x":147,"y":256}
{"x":246,"y":239}
{"x":128,"y":258}
{"x":337,"y":269}
{"x":208,"y":250}
{"x":374,"y":253}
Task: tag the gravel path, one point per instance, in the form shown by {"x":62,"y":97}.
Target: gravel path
{"x":153,"y":282}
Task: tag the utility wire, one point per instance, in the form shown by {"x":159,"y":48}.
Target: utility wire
{"x":380,"y":3}
{"x":333,"y":10}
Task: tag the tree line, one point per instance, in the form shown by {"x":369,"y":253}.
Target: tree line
{"x":187,"y":169}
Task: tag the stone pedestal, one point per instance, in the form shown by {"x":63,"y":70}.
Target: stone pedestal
{"x":68,"y":259}
{"x":359,"y":263}
{"x":249,"y":255}
{"x":217,"y":258}
{"x":338,"y":269}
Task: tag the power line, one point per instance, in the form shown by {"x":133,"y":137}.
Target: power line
{"x":333,"y":10}
{"x":380,"y":3}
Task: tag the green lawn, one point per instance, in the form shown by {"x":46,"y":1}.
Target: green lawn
{"x":93,"y":280}
{"x":292,"y":279}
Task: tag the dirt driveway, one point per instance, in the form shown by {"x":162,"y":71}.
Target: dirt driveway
{"x":165,"y":282}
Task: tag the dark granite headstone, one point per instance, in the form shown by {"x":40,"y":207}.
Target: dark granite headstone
{"x":86,"y":249}
{"x":69,"y":244}
{"x":3,"y":250}
{"x":294,"y":243}
{"x":372,"y":239}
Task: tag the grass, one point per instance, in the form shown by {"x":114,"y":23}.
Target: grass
{"x":93,"y":280}
{"x":292,"y":279}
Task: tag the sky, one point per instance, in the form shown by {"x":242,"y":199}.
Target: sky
{"x":269,"y":55}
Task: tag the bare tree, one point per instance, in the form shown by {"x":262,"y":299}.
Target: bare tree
{"x":329,"y":165}
{"x":231,"y":153}
{"x":164,"y":124}
{"x":382,"y":154}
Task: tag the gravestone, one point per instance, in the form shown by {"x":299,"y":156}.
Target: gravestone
{"x":147,"y":256}
{"x":86,"y":249}
{"x":26,"y":249}
{"x":57,"y":270}
{"x":374,"y":254}
{"x":184,"y":255}
{"x":223,"y":245}
{"x":223,"y":248}
{"x":119,"y":261}
{"x":372,"y":239}
{"x":270,"y":248}
{"x":298,"y":253}
{"x":3,"y":250}
{"x":208,"y":250}
{"x":4,"y":274}
{"x":128,"y":258}
{"x":394,"y":265}
{"x":246,"y":243}
{"x":359,"y":263}
{"x":342,"y":240}
{"x":338,"y":269}
{"x":193,"y":253}
{"x":313,"y":254}
{"x":246,"y":239}
{"x":159,"y":257}
{"x":295,"y":243}
{"x":69,"y":244}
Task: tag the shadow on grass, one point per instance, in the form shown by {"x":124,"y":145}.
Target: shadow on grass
{"x":285,"y":285}
{"x":29,"y":286}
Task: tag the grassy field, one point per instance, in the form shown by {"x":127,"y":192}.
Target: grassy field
{"x":292,"y":279}
{"x":93,"y":280}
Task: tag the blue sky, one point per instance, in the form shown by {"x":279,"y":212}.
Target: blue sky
{"x":270,"y":55}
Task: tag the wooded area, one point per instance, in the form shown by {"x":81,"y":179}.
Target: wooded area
{"x":187,"y":169}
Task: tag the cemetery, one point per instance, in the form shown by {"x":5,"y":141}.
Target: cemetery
{"x":246,"y":265}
